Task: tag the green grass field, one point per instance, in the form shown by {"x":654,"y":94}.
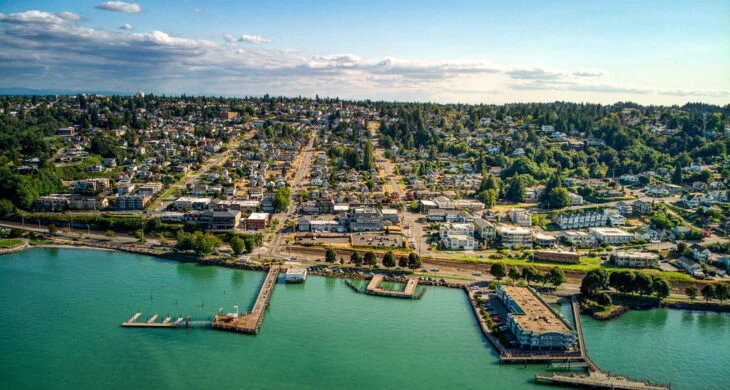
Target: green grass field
{"x":10,"y":242}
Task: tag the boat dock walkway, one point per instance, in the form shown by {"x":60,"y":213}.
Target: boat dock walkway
{"x":151,"y":322}
{"x":250,"y":322}
{"x":594,"y":377}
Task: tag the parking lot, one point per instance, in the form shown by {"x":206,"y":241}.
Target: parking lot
{"x":375,"y":239}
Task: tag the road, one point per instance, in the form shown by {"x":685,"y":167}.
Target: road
{"x":304,"y":166}
{"x":160,"y":204}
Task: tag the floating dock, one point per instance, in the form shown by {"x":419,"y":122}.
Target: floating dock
{"x":151,"y":322}
{"x":250,"y":322}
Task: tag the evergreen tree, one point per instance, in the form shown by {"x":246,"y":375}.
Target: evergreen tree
{"x":677,"y":175}
{"x":371,"y":259}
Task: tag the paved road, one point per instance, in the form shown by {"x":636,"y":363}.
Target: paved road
{"x":304,"y":166}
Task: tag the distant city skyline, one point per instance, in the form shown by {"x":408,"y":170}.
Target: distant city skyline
{"x":651,"y":52}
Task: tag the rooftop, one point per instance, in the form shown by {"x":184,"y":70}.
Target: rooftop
{"x":538,"y":317}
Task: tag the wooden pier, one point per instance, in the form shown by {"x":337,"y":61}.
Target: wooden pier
{"x":151,"y":322}
{"x":250,"y":322}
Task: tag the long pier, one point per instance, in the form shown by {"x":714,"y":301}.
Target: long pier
{"x":250,"y":322}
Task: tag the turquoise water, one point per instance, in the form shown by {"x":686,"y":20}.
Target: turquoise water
{"x":60,"y":312}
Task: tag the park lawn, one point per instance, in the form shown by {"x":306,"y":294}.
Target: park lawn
{"x":10,"y":242}
{"x":586,"y":263}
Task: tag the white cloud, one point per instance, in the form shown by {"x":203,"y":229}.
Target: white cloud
{"x":254,"y":39}
{"x":198,"y":10}
{"x":289,"y":51}
{"x":126,"y":26}
{"x":41,"y":47}
{"x":35,"y":16}
{"x":120,"y":6}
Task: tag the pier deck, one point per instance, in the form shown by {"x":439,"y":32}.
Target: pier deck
{"x":250,"y":322}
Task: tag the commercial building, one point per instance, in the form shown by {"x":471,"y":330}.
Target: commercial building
{"x":191,"y":203}
{"x":511,"y":236}
{"x":544,"y":240}
{"x":458,"y":242}
{"x":532,"y":321}
{"x":558,"y":256}
{"x":257,"y":221}
{"x":611,"y":236}
{"x":634,"y":259}
{"x":220,"y":219}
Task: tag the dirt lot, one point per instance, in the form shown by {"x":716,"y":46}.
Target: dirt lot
{"x":323,"y":239}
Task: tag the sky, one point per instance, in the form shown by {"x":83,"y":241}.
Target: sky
{"x":650,"y":52}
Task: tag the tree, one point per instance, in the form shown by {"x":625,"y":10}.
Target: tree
{"x":498,"y":270}
{"x":643,"y":284}
{"x":389,"y":259}
{"x":556,"y":276}
{"x":250,"y":243}
{"x":515,"y":190}
{"x":594,"y":281}
{"x":139,"y":235}
{"x":661,"y":287}
{"x":530,"y":273}
{"x":110,"y":234}
{"x":205,"y":243}
{"x":489,"y":197}
{"x":414,"y":261}
{"x":6,"y":207}
{"x":238,"y":245}
{"x":557,"y":198}
{"x":691,"y":292}
{"x":355,"y":258}
{"x":722,"y":292}
{"x":281,"y":199}
{"x":622,"y":281}
{"x":514,"y":273}
{"x":330,"y":255}
{"x":403,"y":262}
{"x":661,"y":221}
{"x":371,"y":259}
{"x":52,"y":229}
{"x":677,"y":175}
{"x":708,"y":292}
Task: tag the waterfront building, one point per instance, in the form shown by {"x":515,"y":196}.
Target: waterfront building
{"x":132,"y":202}
{"x":532,"y":321}
{"x":634,"y":259}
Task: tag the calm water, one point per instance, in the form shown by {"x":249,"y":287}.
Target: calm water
{"x":60,"y":312}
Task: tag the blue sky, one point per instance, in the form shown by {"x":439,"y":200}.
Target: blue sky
{"x":652,"y":52}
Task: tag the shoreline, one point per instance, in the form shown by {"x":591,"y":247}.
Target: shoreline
{"x":222,"y":262}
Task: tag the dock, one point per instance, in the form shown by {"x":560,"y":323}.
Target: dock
{"x":151,"y":322}
{"x":594,"y":377}
{"x":250,"y":322}
{"x":373,"y":288}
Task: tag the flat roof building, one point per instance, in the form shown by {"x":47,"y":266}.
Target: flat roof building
{"x":634,"y":259}
{"x":558,"y":256}
{"x":532,"y":321}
